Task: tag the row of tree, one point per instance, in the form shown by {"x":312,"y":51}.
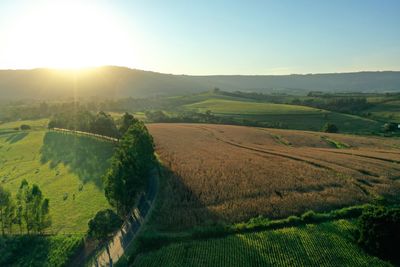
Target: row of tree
{"x":130,"y":167}
{"x":29,"y":209}
{"x":127,"y":177}
{"x":84,"y":120}
{"x":87,"y":121}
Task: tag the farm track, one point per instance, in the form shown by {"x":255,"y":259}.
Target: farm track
{"x":308,"y":160}
{"x":364,"y":156}
{"x":132,"y":225}
{"x":311,"y":161}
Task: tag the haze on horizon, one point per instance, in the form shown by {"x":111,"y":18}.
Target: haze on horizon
{"x":207,"y":37}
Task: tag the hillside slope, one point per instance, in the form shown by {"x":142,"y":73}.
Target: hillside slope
{"x":123,"y":82}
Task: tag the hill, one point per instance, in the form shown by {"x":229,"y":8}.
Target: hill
{"x":220,"y":173}
{"x":118,"y":82}
{"x":284,"y":116}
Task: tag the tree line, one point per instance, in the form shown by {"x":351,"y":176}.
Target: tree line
{"x":84,"y":120}
{"x":127,"y":177}
{"x":29,"y":209}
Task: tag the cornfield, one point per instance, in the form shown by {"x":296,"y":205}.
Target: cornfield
{"x":233,"y":173}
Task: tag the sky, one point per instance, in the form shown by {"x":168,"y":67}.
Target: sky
{"x":202,"y":37}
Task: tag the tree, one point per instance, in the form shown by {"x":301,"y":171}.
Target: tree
{"x":25,"y":127}
{"x":5,"y":199}
{"x":103,"y":225}
{"x":380,"y":232}
{"x":20,"y":204}
{"x":32,"y":208}
{"x":389,"y":127}
{"x":104,"y":124}
{"x":130,"y":168}
{"x":330,"y":128}
{"x":126,"y":121}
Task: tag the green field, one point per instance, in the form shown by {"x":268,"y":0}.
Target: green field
{"x":67,"y":168}
{"x":38,"y":250}
{"x":388,"y":111}
{"x":286,"y":116}
{"x":326,"y":244}
{"x":228,"y":107}
{"x":35,"y":124}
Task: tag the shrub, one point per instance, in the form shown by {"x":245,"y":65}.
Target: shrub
{"x":25,"y":127}
{"x":380,"y":231}
{"x":330,"y":128}
{"x":308,"y":216}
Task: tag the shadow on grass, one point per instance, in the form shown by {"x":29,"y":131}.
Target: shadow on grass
{"x":36,"y":250}
{"x":14,"y":138}
{"x":23,"y":250}
{"x":85,"y":156}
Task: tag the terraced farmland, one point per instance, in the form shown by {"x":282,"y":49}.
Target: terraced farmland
{"x":327,"y":244}
{"x":233,"y":173}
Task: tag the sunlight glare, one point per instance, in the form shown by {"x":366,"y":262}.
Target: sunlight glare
{"x":68,"y":35}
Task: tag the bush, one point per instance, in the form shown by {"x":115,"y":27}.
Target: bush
{"x":380,"y":231}
{"x":25,"y":127}
{"x":330,"y":128}
{"x":389,"y":127}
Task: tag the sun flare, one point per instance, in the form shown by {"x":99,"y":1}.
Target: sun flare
{"x":68,"y":35}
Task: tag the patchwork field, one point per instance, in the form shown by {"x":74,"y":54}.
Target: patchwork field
{"x":327,"y":244}
{"x":233,"y":173}
{"x":67,"y":168}
{"x":286,"y":116}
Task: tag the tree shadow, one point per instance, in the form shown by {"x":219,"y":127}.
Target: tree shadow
{"x":178,"y":208}
{"x":24,"y":250}
{"x":86,"y":157}
{"x":14,"y":138}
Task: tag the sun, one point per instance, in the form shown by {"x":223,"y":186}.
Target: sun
{"x":68,"y":35}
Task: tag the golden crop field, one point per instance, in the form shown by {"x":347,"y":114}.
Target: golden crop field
{"x":233,"y":173}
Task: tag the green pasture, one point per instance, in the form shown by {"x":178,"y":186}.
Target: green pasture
{"x":67,"y":168}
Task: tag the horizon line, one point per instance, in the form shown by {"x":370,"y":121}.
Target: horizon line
{"x":183,"y":74}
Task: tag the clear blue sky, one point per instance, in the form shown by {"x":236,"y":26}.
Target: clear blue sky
{"x":217,"y":37}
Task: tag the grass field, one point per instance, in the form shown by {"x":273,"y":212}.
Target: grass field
{"x":233,"y":173}
{"x":222,"y":106}
{"x":327,"y":244}
{"x":67,"y":168}
{"x":388,"y":110}
{"x":287,"y":116}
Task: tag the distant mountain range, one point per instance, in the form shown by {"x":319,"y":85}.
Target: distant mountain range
{"x":118,"y":82}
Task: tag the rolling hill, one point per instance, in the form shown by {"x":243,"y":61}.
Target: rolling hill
{"x":117,"y":82}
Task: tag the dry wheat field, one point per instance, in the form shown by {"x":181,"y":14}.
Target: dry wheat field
{"x":232,"y":173}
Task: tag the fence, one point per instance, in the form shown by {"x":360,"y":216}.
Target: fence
{"x":104,"y":137}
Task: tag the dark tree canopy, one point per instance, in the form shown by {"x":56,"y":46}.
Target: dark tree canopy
{"x":104,"y":224}
{"x":380,"y":232}
{"x":83,"y":120}
{"x":330,"y":128}
{"x":126,"y":121}
{"x":130,"y":168}
{"x":390,"y":127}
